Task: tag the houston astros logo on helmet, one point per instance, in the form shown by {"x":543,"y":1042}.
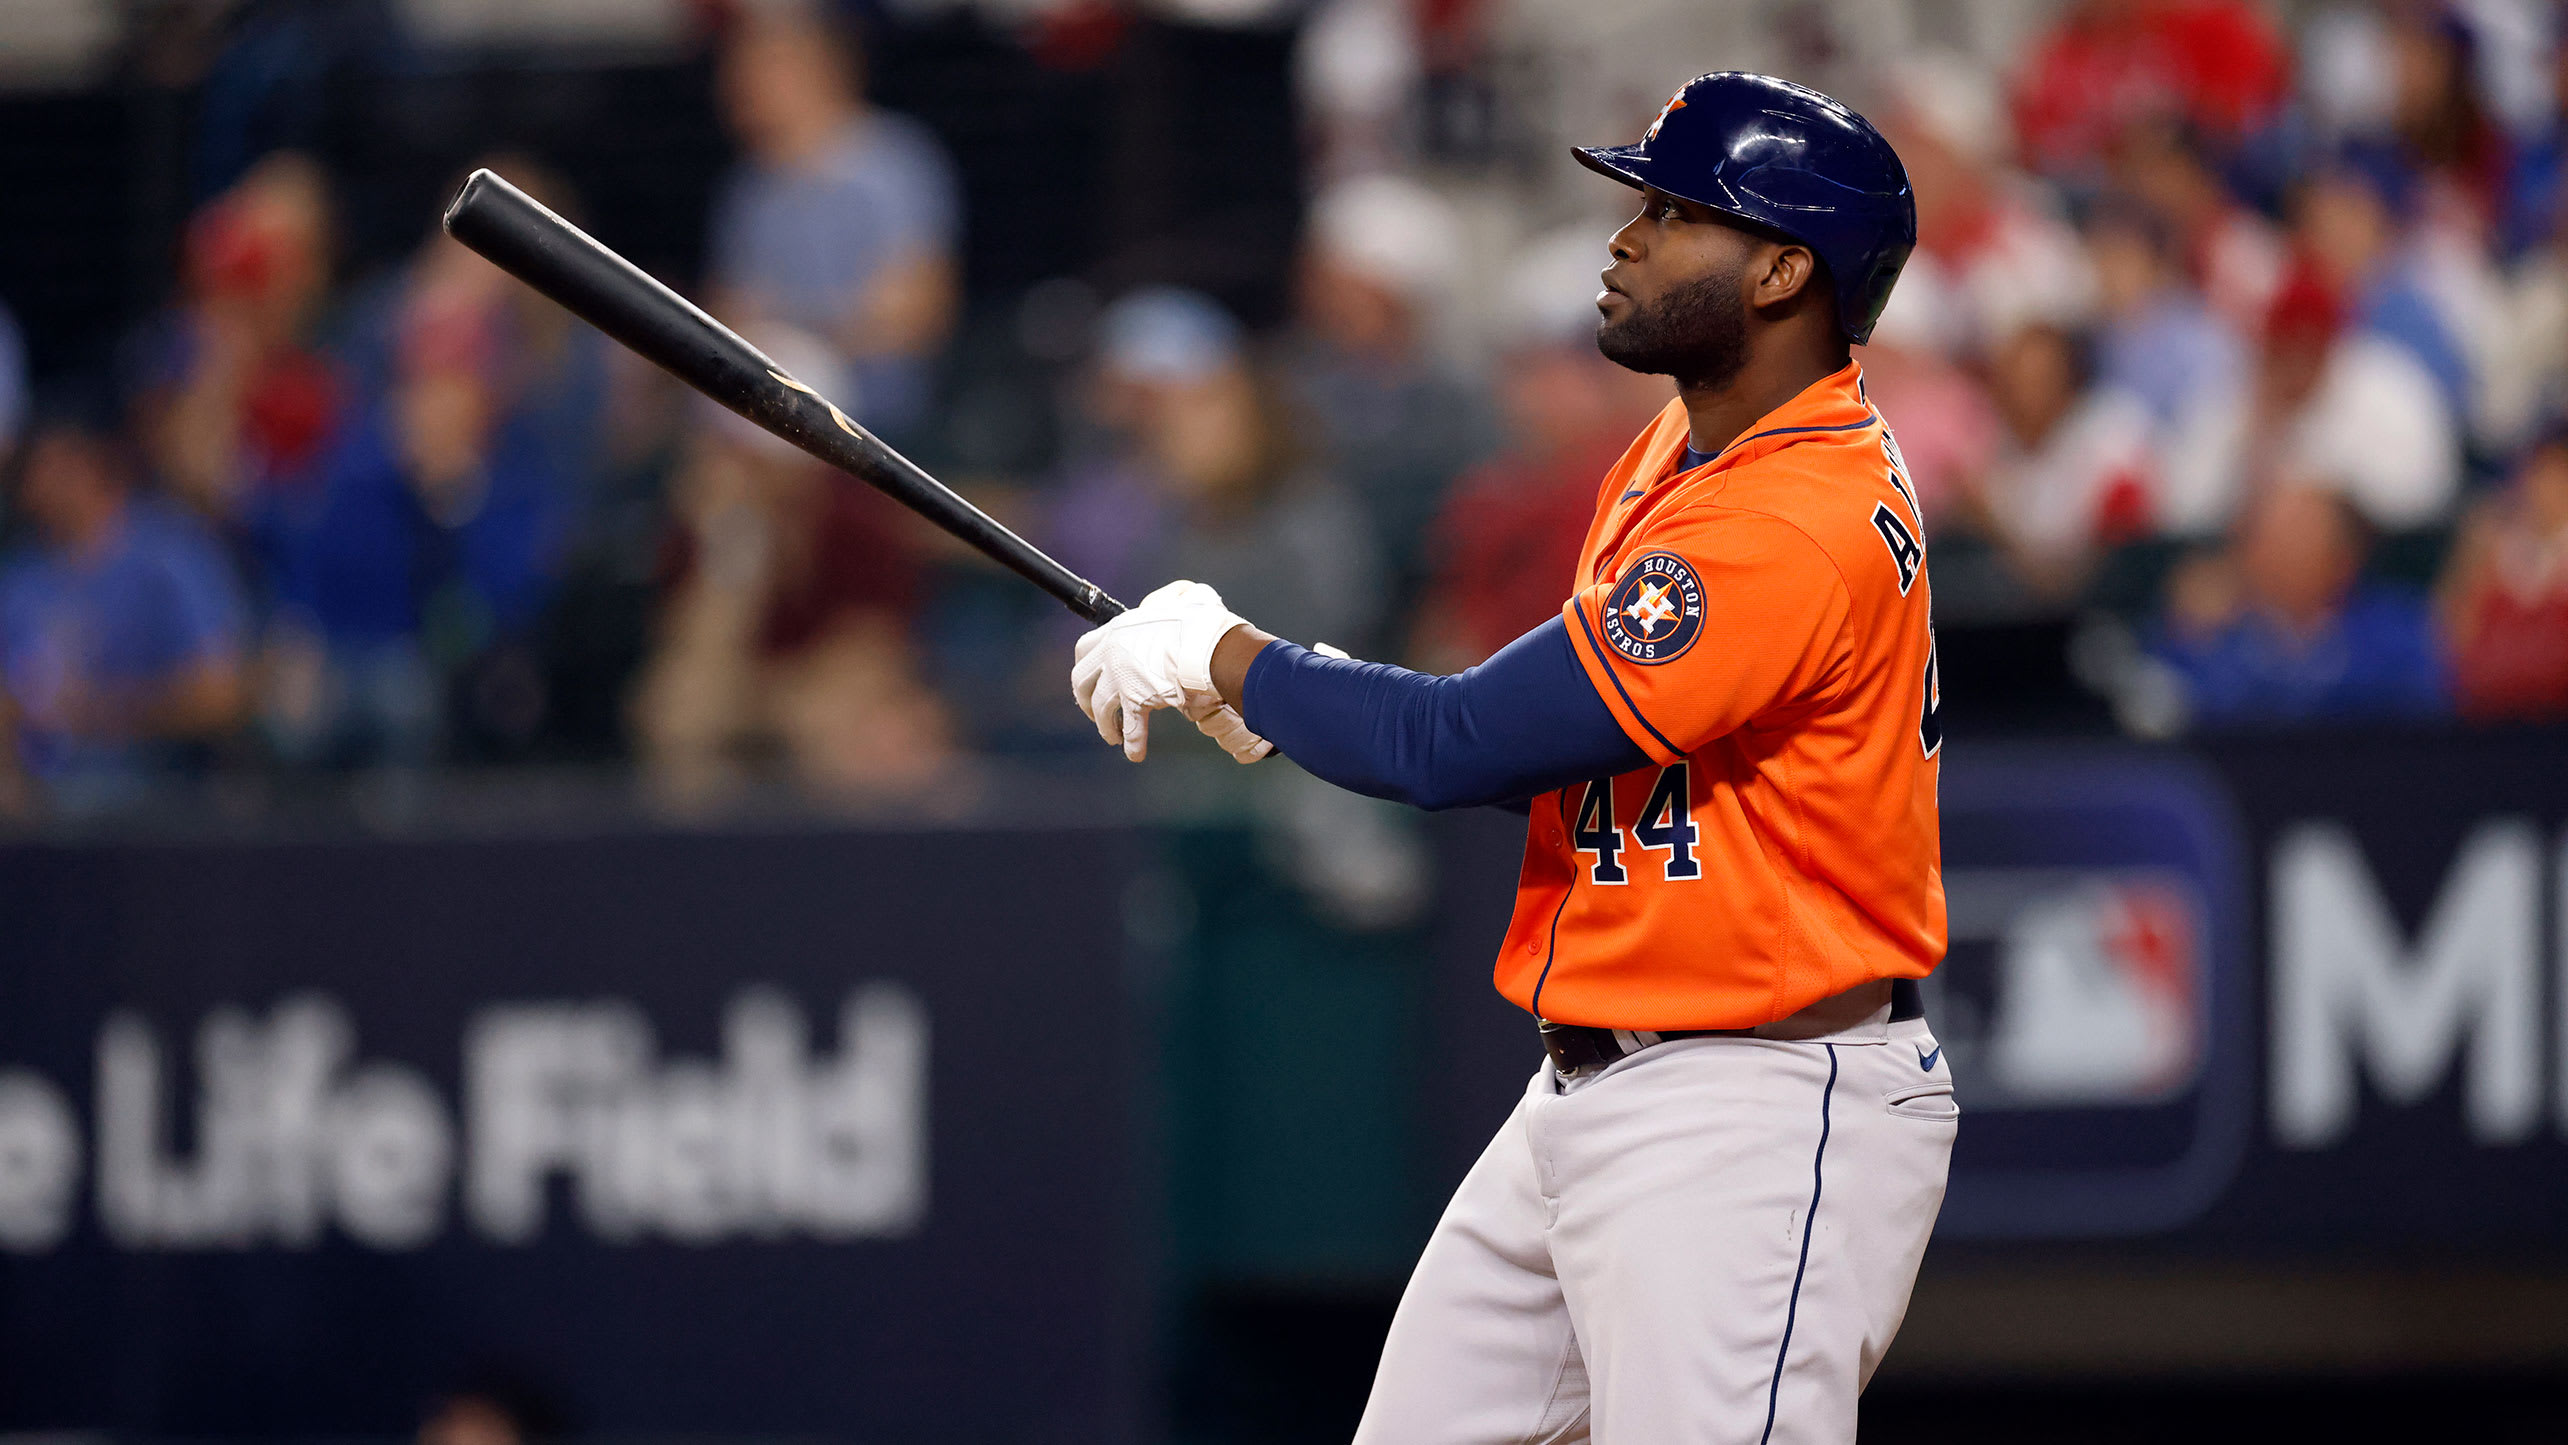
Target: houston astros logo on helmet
{"x":1674,"y":104}
{"x":1657,"y":611}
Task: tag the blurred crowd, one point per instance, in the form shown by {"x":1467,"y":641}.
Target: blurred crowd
{"x":2240,"y":332}
{"x":2254,"y":339}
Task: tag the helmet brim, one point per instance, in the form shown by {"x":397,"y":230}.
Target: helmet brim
{"x":1623,"y":163}
{"x":1630,"y":165}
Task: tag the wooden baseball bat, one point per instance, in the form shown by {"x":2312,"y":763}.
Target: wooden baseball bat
{"x":521,"y":237}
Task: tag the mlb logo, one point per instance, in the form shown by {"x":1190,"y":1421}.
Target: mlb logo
{"x":2094,"y":999}
{"x":2096,"y":981}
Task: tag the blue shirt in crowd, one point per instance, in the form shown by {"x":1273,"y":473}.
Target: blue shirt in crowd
{"x":2535,"y":195}
{"x":356,"y":556}
{"x":2170,"y":352}
{"x":2376,"y":660}
{"x":2396,"y":306}
{"x":157,"y":601}
{"x":804,"y":242}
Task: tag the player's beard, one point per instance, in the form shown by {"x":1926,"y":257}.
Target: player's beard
{"x":1697,"y":333}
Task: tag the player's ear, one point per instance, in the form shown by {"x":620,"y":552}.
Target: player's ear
{"x":1789,"y":267}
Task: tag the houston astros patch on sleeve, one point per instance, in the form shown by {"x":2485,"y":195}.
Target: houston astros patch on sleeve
{"x":1657,"y":611}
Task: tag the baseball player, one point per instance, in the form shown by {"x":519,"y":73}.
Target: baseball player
{"x":1702,"y":1221}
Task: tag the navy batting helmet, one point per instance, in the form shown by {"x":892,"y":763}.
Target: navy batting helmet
{"x":1787,"y":158}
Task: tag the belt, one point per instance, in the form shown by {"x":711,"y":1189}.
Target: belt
{"x":1577,"y":1048}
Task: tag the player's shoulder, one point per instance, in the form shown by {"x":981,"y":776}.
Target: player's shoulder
{"x":1843,"y":491}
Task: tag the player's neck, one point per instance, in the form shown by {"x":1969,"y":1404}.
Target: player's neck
{"x":1781,"y":365}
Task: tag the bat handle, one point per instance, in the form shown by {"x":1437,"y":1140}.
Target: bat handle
{"x":1097,"y":607}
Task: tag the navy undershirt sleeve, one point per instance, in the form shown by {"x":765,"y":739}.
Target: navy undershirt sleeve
{"x":1521,"y":724}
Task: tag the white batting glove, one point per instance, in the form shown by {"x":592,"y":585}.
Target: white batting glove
{"x":1149,"y":658}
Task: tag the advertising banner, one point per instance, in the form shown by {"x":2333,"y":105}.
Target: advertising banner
{"x":792,"y":1133}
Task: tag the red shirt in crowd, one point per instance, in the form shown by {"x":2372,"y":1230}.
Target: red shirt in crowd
{"x":839,"y":550}
{"x":1506,"y":544}
{"x":2510,"y":638}
{"x":2217,"y":64}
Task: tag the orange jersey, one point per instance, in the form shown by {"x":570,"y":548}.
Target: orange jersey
{"x":1759,"y":627}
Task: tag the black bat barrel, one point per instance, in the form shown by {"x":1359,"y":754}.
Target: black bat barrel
{"x":518,"y":235}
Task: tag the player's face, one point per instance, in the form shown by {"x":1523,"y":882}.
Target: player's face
{"x":1675,"y":298}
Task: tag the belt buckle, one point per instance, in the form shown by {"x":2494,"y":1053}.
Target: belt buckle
{"x":1572,"y":1048}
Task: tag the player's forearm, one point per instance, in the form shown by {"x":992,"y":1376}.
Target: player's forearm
{"x":1520,"y":724}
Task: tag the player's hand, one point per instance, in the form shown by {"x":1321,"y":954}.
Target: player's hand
{"x":1149,"y":658}
{"x":1222,"y":723}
